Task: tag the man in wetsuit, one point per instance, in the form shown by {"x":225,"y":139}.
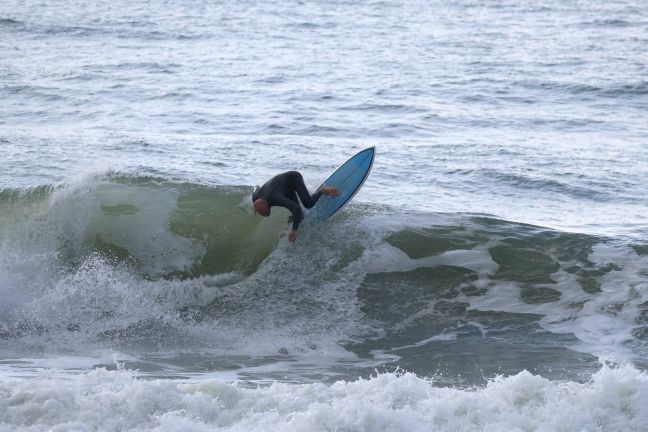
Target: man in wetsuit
{"x":282,"y":190}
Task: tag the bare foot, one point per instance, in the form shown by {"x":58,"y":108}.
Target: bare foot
{"x":330,"y":191}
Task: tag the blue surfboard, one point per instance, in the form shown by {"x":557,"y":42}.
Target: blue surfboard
{"x":348,"y":179}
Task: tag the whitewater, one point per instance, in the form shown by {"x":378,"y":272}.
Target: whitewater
{"x":491,"y":275}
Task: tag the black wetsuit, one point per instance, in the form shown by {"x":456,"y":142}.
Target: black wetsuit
{"x":282,"y":190}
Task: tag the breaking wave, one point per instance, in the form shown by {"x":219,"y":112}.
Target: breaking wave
{"x":614,"y":399}
{"x":150,"y":265}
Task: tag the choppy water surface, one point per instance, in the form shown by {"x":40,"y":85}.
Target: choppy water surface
{"x":491,"y":275}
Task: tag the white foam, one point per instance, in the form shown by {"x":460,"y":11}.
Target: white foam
{"x":605,"y":323}
{"x":445,"y":336}
{"x":615,"y":399}
{"x":387,"y":258}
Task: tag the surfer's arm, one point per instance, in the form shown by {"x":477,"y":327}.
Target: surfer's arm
{"x":293,"y":207}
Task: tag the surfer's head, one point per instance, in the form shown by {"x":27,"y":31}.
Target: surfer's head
{"x":262,"y":207}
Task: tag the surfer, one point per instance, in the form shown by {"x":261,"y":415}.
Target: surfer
{"x":282,"y":190}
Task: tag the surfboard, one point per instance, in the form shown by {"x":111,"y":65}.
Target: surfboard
{"x":348,"y":179}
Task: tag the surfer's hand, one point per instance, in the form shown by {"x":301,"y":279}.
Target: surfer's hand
{"x":330,"y":191}
{"x":292,"y":236}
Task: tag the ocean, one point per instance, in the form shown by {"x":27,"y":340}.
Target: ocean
{"x":491,"y":275}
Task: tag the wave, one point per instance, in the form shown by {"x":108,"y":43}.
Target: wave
{"x":565,"y":187}
{"x":133,"y":29}
{"x":614,"y":399}
{"x":159,"y":228}
{"x":146,"y":264}
{"x":611,"y":22}
{"x":615,"y":90}
{"x":9,"y":22}
{"x":37,"y":92}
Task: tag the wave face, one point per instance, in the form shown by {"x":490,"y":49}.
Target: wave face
{"x":155,"y":269}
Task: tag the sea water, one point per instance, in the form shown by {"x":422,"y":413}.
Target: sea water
{"x":491,"y":275}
